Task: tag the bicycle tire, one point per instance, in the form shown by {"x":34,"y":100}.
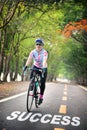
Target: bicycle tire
{"x":37,"y":96}
{"x":30,"y":97}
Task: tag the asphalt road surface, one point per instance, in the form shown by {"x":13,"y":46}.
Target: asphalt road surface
{"x":64,"y":108}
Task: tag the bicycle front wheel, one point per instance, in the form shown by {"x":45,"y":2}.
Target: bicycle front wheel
{"x":30,"y":97}
{"x":37,"y":96}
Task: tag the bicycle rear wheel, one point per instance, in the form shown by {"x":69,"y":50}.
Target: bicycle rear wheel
{"x":30,"y":96}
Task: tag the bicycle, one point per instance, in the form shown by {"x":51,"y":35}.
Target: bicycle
{"x":34,"y":89}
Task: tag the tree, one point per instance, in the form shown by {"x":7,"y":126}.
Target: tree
{"x":78,"y":31}
{"x":7,"y":11}
{"x":24,"y":20}
{"x":75,"y":28}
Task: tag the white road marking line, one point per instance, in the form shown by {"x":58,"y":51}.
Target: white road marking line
{"x":12,"y":97}
{"x":82,"y":87}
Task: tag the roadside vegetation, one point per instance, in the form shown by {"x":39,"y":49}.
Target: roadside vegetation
{"x":63,"y":26}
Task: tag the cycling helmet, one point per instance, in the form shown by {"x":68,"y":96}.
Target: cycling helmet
{"x":39,"y":41}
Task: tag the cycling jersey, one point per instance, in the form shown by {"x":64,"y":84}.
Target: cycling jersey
{"x":38,"y":57}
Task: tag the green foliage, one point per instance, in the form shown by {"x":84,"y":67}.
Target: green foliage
{"x":75,"y":60}
{"x":44,"y":19}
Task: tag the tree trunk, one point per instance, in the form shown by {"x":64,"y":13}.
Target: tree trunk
{"x":14,"y":77}
{"x":7,"y":65}
{"x":2,"y":51}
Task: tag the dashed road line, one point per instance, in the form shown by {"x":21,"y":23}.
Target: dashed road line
{"x":64,"y":98}
{"x":58,"y":129}
{"x":65,"y":93}
{"x":65,"y":86}
{"x":65,"y":89}
{"x":62,"y":109}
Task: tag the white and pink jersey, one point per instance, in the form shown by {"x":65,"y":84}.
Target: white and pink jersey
{"x":38,"y":57}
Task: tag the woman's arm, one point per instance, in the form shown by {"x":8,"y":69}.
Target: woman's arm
{"x":28,"y":62}
{"x":45,"y":60}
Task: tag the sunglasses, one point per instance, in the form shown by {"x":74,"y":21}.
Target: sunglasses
{"x":38,"y":44}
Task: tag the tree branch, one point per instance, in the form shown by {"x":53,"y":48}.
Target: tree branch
{"x":8,"y":20}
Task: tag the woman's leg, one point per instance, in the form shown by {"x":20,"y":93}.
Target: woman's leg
{"x":42,"y":87}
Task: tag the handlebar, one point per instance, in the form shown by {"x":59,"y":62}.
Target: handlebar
{"x":35,"y":69}
{"x":38,"y":70}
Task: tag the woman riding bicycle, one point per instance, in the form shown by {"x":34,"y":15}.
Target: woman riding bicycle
{"x":39,"y":56}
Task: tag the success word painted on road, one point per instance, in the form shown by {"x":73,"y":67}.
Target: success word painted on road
{"x":46,"y":118}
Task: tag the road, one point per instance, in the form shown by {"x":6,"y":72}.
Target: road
{"x":64,"y":108}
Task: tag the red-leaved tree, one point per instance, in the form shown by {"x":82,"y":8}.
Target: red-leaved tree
{"x":77,"y":30}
